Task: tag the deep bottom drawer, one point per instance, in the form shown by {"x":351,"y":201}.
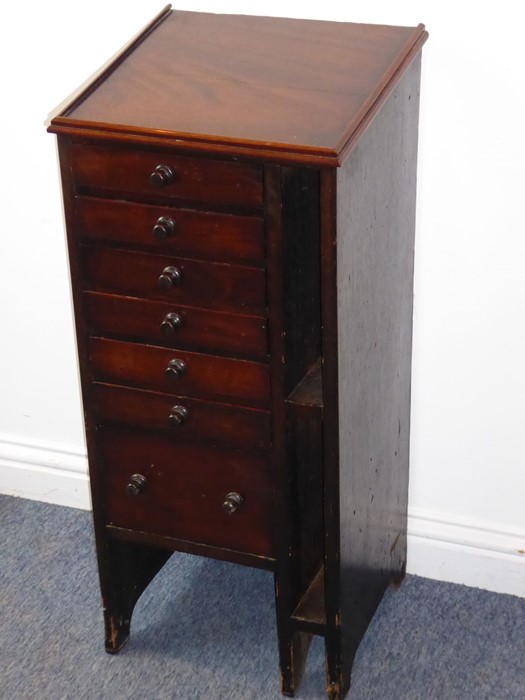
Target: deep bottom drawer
{"x":182,"y":490}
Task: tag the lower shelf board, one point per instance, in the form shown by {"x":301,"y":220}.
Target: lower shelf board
{"x":309,"y":615}
{"x":309,"y":391}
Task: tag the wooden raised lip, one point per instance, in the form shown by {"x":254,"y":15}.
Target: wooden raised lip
{"x":186,"y":137}
{"x":313,"y":155}
{"x":383,"y":90}
{"x":109,"y":67}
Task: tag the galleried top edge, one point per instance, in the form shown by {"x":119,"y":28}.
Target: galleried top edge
{"x":285,"y":89}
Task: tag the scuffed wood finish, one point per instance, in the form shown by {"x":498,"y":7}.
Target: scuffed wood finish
{"x":368,"y":373}
{"x":298,"y":89}
{"x":126,"y":569}
{"x":280,"y":221}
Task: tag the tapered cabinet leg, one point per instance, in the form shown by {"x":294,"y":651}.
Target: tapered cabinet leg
{"x":334,"y":690}
{"x":125,"y":570}
{"x":116,"y":627}
{"x":337,"y":666}
{"x":293,"y":650}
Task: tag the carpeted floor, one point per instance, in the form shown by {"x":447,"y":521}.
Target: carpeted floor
{"x":205,"y":629}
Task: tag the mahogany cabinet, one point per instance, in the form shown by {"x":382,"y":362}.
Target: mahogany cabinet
{"x":239,"y":196}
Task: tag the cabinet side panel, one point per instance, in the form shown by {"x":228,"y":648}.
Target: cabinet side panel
{"x":376,"y":188}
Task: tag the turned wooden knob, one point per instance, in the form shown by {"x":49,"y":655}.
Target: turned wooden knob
{"x":136,"y":485}
{"x":170,"y":324}
{"x":164,"y":227}
{"x":168,"y":278}
{"x":232,"y":502}
{"x":161,"y":176}
{"x":178,"y":415}
{"x":175,"y":369}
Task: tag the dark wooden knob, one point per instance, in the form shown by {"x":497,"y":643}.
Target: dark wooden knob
{"x":161,"y":176}
{"x":170,"y":324}
{"x":232,"y":502}
{"x":164,"y":227}
{"x":168,"y":278}
{"x":178,"y":415}
{"x":137,"y":483}
{"x":175,"y":369}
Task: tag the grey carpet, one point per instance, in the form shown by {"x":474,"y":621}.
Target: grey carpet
{"x":205,"y":629}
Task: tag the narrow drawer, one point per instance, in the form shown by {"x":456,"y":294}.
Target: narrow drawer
{"x":188,"y":233}
{"x":179,"y":326}
{"x":183,"y":491}
{"x":184,"y":418}
{"x":166,"y":175}
{"x":186,"y":373}
{"x":194,"y":282}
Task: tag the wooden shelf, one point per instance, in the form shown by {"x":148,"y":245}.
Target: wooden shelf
{"x":309,"y":391}
{"x":309,"y":615}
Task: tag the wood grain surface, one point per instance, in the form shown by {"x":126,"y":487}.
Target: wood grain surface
{"x":198,"y":234}
{"x":185,"y":488}
{"x":292,"y":86}
{"x":200,"y":329}
{"x":204,"y":376}
{"x":128,"y":171}
{"x":207,"y":423}
{"x":228,"y":287}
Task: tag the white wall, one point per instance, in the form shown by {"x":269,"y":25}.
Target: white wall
{"x":468,"y":470}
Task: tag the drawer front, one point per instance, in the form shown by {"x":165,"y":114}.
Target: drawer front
{"x":193,"y":282}
{"x":193,"y":234}
{"x":186,"y":419}
{"x":186,"y":373}
{"x":184,"y":489}
{"x":177,"y":326}
{"x":165,"y":175}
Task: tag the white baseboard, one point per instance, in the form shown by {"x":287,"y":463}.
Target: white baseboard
{"x":44,"y":472}
{"x":440,"y":546}
{"x":461,"y":550}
